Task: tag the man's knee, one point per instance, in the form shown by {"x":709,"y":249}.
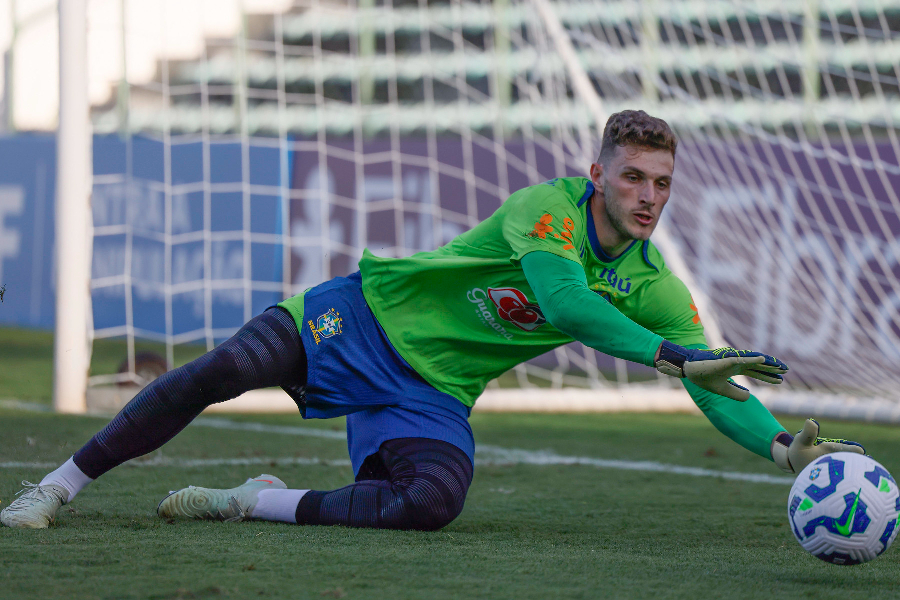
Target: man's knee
{"x":432,"y":517}
{"x":433,"y":503}
{"x":429,"y":480}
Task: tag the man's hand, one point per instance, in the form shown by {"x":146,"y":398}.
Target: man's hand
{"x":793,"y":454}
{"x":712,"y":369}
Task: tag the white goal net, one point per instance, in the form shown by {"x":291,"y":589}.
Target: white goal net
{"x":264,"y":163}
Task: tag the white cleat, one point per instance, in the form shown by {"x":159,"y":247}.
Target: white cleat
{"x":236,"y":504}
{"x":36,"y":506}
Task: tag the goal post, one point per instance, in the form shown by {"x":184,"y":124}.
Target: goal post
{"x":73,"y":329}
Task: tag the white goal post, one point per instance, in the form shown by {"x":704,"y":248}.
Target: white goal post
{"x":73,"y":330}
{"x":264,"y":163}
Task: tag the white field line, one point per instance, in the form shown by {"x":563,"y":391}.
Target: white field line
{"x":22,"y":405}
{"x":165,"y":461}
{"x":485,"y":455}
{"x":511,"y":456}
{"x":497,"y":455}
{"x":218,"y":423}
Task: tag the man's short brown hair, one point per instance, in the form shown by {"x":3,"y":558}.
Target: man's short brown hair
{"x":635,"y":128}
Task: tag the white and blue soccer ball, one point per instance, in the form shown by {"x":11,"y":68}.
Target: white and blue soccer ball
{"x":843,"y":508}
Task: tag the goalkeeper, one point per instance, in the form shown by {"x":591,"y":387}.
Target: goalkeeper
{"x":405,"y":346}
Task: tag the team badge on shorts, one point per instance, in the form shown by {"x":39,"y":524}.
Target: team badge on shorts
{"x":326,"y":326}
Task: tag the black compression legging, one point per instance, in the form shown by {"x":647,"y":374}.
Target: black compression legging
{"x":410,"y":483}
{"x":265,"y":352}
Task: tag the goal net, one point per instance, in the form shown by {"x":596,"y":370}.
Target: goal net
{"x":266,"y":161}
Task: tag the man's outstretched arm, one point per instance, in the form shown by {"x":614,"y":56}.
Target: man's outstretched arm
{"x":561,"y":289}
{"x":751,"y":425}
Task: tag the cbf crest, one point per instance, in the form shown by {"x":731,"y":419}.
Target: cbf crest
{"x":326,"y":326}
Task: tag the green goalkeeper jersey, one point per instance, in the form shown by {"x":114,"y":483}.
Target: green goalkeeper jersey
{"x":463,"y":314}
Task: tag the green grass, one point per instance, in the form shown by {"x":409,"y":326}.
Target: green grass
{"x":26,"y":364}
{"x":526,"y":532}
{"x":26,"y":361}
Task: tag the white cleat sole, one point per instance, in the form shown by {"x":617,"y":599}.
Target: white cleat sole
{"x":234,"y":504}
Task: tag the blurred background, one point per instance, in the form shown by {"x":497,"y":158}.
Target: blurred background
{"x":243,"y":151}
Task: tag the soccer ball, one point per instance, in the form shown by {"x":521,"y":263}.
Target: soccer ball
{"x":843,"y":508}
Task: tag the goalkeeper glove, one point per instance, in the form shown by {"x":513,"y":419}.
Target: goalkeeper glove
{"x":712,"y":369}
{"x":792,"y":454}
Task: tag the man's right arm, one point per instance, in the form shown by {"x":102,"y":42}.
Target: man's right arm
{"x":561,"y":290}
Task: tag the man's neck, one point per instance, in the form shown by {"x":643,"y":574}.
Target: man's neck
{"x":611,"y":242}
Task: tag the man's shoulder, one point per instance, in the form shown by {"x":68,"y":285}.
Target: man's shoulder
{"x":664,"y":304}
{"x":574,"y":187}
{"x":566,"y":189}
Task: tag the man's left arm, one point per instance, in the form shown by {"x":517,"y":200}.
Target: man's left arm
{"x":749,"y":423}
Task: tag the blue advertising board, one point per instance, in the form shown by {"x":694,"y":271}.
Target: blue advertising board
{"x":192,"y":207}
{"x":27,"y":192}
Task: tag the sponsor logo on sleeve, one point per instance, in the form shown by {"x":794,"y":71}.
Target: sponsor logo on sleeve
{"x":566,"y":234}
{"x":543,"y":227}
{"x":696,"y":319}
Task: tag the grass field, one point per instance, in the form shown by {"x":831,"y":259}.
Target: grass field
{"x":548,"y":514}
{"x":26,"y":361}
{"x":528,"y":530}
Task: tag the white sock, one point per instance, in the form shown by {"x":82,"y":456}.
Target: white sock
{"x":68,"y":476}
{"x":278,"y":505}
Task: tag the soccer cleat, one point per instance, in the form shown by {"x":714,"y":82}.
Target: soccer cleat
{"x":236,"y":504}
{"x":36,"y":506}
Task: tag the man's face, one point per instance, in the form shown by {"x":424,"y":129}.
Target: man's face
{"x":631,"y":191}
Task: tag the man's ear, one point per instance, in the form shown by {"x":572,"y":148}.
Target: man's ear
{"x":596,"y":172}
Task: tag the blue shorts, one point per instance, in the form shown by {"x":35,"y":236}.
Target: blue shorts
{"x":353,"y":370}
